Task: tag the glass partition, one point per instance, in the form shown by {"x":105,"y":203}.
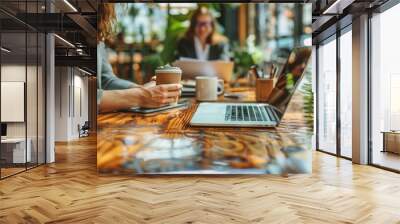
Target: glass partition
{"x":31,"y":98}
{"x":14,"y":151}
{"x":22,"y":89}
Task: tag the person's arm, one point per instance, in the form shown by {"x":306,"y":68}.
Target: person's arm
{"x":107,"y":81}
{"x":116,"y":94}
{"x":148,"y":97}
{"x":111,"y":82}
{"x":112,"y":100}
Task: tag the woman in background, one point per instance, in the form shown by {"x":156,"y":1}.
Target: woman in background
{"x":114,"y":93}
{"x":201,"y":41}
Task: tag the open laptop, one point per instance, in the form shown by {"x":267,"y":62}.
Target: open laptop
{"x":194,"y":67}
{"x":258,"y":114}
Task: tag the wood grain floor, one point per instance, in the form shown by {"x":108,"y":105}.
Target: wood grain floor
{"x":70,"y":191}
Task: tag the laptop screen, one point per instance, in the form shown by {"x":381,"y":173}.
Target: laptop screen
{"x":290,"y":77}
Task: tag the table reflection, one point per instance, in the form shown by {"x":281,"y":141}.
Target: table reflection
{"x":142,"y":150}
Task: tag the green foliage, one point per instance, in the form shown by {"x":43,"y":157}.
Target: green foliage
{"x":308,"y":94}
{"x":246,"y":56}
{"x":133,"y":12}
{"x":175,"y":29}
{"x":150,"y":63}
{"x":243,"y":60}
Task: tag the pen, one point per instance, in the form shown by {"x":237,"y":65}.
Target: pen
{"x":253,"y":68}
{"x":272,"y":74}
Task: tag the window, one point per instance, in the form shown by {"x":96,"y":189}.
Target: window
{"x":346,"y":94}
{"x":385,"y":88}
{"x":334,"y":106}
{"x":327,"y":96}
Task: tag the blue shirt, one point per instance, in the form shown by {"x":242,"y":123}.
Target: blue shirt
{"x":106,"y":79}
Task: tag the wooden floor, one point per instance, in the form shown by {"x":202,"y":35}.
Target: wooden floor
{"x":387,"y":159}
{"x":70,"y":191}
{"x":5,"y":172}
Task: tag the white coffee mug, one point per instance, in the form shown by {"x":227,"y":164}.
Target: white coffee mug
{"x":207,"y":88}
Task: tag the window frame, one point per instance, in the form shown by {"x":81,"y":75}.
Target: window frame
{"x":334,"y":37}
{"x":379,"y":10}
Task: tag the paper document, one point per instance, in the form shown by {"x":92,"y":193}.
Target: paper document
{"x":193,"y":67}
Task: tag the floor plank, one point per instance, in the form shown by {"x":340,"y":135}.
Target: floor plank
{"x":71,"y":191}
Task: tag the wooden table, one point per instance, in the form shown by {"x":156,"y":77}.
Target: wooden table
{"x":167,"y":144}
{"x":391,"y":141}
{"x":14,"y":152}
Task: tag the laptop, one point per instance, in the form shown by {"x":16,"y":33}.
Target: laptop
{"x":194,"y":67}
{"x":227,"y":114}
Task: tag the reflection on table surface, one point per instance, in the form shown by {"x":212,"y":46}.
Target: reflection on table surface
{"x":166,"y":144}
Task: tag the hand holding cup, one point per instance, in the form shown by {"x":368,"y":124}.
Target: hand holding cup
{"x":168,"y":75}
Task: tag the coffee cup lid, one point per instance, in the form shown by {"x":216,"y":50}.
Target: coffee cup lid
{"x":168,"y":68}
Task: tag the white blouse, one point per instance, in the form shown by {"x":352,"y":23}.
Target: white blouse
{"x":202,"y":54}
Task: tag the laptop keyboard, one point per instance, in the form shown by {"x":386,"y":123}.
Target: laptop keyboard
{"x":249,"y":113}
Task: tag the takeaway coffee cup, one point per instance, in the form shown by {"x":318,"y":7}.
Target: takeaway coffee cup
{"x":168,"y":75}
{"x":207,"y":88}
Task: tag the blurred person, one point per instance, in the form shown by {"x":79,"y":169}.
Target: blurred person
{"x":201,"y":40}
{"x":114,"y":93}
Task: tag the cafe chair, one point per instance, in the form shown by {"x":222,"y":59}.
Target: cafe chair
{"x":84,"y":130}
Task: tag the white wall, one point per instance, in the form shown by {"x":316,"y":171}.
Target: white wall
{"x":12,"y":73}
{"x":80,"y":109}
{"x":71,"y":102}
{"x":33,"y":127}
{"x":61,"y":103}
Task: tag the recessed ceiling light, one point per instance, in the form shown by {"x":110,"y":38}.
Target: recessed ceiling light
{"x":84,"y":71}
{"x":70,"y":5}
{"x":337,"y":7}
{"x":5,"y":50}
{"x":65,"y":41}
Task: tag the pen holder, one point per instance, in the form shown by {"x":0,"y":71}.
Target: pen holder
{"x":264,"y":88}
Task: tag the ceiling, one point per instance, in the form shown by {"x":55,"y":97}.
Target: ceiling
{"x":330,"y":15}
{"x":72,"y":20}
